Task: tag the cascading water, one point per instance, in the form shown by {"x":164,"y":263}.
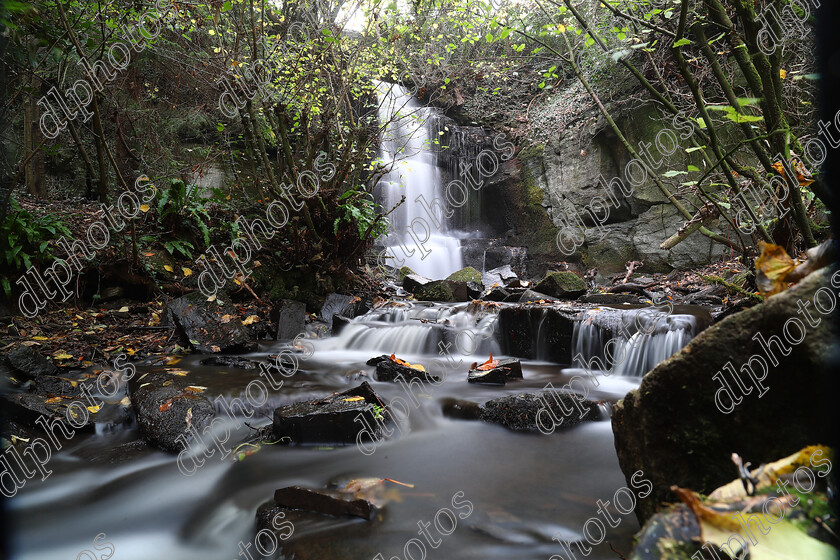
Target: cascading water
{"x":630,"y":343}
{"x":418,"y":232}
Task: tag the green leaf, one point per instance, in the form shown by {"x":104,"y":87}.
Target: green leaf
{"x":695,"y":148}
{"x":669,"y":174}
{"x":681,"y":42}
{"x":227,"y":6}
{"x":693,"y":168}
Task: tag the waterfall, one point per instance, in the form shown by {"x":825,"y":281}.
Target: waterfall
{"x":418,"y":234}
{"x":630,"y":343}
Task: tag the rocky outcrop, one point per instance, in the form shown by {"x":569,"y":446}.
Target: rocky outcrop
{"x":690,"y":413}
{"x":209,"y":325}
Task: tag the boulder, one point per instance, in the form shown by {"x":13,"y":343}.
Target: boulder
{"x":519,"y":412}
{"x":468,"y":274}
{"x":443,"y":290}
{"x":681,"y":428}
{"x":29,"y":363}
{"x":497,"y":294}
{"x":474,"y":290}
{"x":167,"y":409}
{"x":337,"y":304}
{"x":208,"y":326}
{"x":531,"y":295}
{"x":413,"y":282}
{"x":334,"y":420}
{"x":324,"y":501}
{"x":403,"y":272}
{"x":506,"y":369}
{"x":291,"y":320}
{"x":338,"y":324}
{"x":565,"y":285}
{"x":502,"y":276}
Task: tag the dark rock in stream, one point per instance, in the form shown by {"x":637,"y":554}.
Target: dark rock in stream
{"x":609,"y":299}
{"x":202,"y":324}
{"x":474,"y":290}
{"x":497,"y":294}
{"x":34,"y":412}
{"x":460,"y":409}
{"x":324,"y":501}
{"x":531,"y":295}
{"x":388,"y":370}
{"x":291,"y":319}
{"x":526,"y":329}
{"x":230,"y":361}
{"x":337,"y":304}
{"x":443,"y":291}
{"x":338,"y":324}
{"x":681,"y":426}
{"x":337,"y":419}
{"x":27,"y":362}
{"x":167,"y":410}
{"x":499,"y":375}
{"x":519,"y":412}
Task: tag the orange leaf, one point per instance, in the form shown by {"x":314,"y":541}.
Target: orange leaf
{"x":771,"y":268}
{"x":489,"y":364}
{"x":166,"y":406}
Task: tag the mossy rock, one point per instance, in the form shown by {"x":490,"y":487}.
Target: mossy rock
{"x":468,"y":274}
{"x":561,"y":285}
{"x":403,"y":272}
{"x":443,"y":290}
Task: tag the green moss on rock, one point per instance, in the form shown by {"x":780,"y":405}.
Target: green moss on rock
{"x":468,"y":274}
{"x":403,"y":272}
{"x":561,"y":284}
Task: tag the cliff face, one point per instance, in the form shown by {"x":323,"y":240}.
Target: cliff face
{"x":577,"y":181}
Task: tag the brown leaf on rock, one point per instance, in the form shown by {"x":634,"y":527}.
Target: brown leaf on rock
{"x":771,"y":268}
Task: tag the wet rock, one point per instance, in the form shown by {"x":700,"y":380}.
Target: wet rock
{"x":34,"y":412}
{"x":444,"y":291}
{"x":681,"y":411}
{"x":609,"y":299}
{"x":506,"y":370}
{"x":564,"y":285}
{"x":413,"y":282}
{"x":474,"y":290}
{"x":388,"y":370}
{"x":336,"y":419}
{"x":460,"y":409}
{"x":497,"y":294}
{"x":403,"y":272}
{"x":337,"y":304}
{"x":208,"y":326}
{"x":291,"y":319}
{"x":514,"y":296}
{"x":525,"y":331}
{"x":230,"y":361}
{"x":53,"y":385}
{"x":377,"y":359}
{"x":502,"y":276}
{"x":468,"y":274}
{"x":671,"y":535}
{"x":27,"y":362}
{"x":519,"y":412}
{"x":531,"y":295}
{"x":338,"y":324}
{"x":166,"y":410}
{"x":324,"y":501}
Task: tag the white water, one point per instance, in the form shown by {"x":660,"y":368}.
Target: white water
{"x":418,"y":236}
{"x":641,"y":339}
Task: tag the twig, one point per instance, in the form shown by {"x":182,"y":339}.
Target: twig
{"x":730,"y":286}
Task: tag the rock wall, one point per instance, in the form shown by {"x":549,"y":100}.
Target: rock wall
{"x":675,"y":427}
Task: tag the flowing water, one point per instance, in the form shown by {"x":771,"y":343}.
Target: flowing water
{"x":419,"y":237}
{"x":524,"y":488}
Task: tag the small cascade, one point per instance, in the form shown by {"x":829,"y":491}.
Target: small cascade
{"x":418,"y":233}
{"x":418,"y":329}
{"x":630,"y":343}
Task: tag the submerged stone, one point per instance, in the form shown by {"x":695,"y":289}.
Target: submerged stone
{"x":338,"y":419}
{"x":324,"y":501}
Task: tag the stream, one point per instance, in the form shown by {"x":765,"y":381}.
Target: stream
{"x":524,"y":489}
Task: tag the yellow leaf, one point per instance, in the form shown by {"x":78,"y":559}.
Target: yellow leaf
{"x":354,"y":399}
{"x":123,"y":309}
{"x":125,"y":401}
{"x":561,"y":28}
{"x":186,"y":271}
{"x":40,"y":338}
{"x":53,"y":400}
{"x":62,"y":356}
{"x":212,"y":298}
{"x":167,"y":268}
{"x":93,"y":409}
{"x":771,"y":267}
{"x":226,"y":319}
{"x":251,"y":320}
{"x":782,"y":73}
{"x":145,"y":208}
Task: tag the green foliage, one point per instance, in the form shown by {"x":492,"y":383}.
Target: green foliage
{"x":24,"y":240}
{"x":181,"y":209}
{"x":357,"y":206}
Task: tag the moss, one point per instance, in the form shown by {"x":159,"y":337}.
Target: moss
{"x":558,"y":283}
{"x":436,"y":291}
{"x":468,"y":274}
{"x":532,"y":151}
{"x":403,"y":272}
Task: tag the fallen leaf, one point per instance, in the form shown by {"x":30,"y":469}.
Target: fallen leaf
{"x":62,"y":356}
{"x":126,"y":401}
{"x":123,"y":309}
{"x":771,"y":267}
{"x":354,"y":399}
{"x":212,"y":298}
{"x":489,"y":364}
{"x":40,"y":338}
{"x":93,"y":409}
{"x":195,"y":389}
{"x":226,"y":319}
{"x":166,"y":406}
{"x":167,"y":268}
{"x":186,"y":271}
{"x":53,"y":400}
{"x":250,"y":320}
{"x":145,"y":208}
